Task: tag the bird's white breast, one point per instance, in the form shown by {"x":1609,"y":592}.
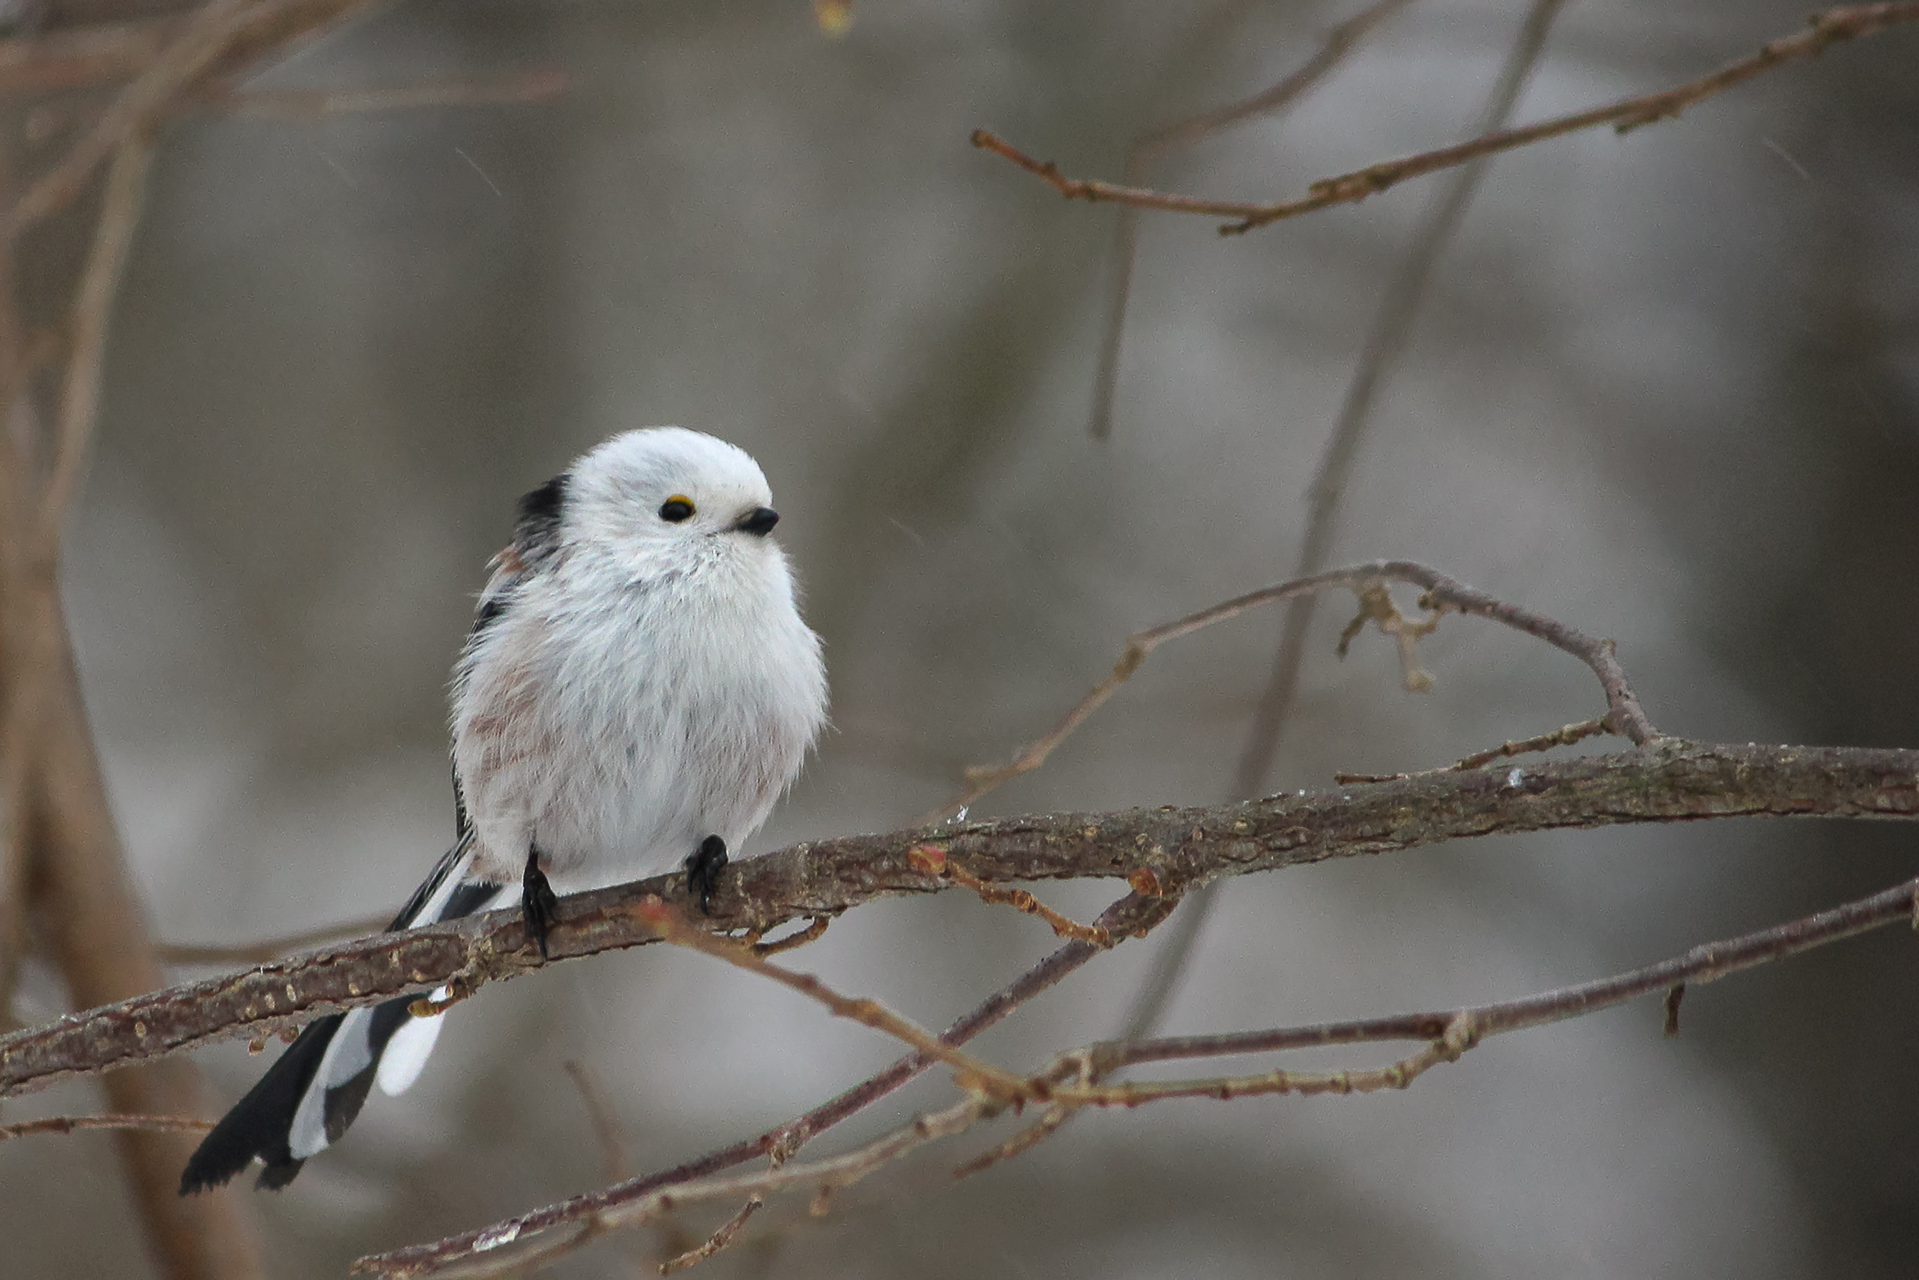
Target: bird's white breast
{"x":617,"y":728}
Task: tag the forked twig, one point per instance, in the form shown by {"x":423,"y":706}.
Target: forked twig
{"x":1366,"y":580}
{"x":1072,"y":1082}
{"x":1130,"y":915}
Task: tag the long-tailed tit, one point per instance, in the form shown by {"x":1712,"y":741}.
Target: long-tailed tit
{"x":637,"y":690}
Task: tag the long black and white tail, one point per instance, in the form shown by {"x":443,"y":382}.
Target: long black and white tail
{"x":307,"y":1099}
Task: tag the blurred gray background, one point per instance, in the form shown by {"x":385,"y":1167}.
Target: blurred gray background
{"x":1666,"y":388}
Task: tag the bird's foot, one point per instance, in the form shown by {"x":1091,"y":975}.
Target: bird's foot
{"x":539,"y":905}
{"x":703,"y":872}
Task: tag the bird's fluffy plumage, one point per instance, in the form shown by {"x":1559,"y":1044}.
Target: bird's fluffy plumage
{"x":637,"y":680}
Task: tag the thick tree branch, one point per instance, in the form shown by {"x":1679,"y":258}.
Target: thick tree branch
{"x":1168,"y":850}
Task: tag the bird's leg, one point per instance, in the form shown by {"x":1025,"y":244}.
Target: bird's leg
{"x":703,"y":869}
{"x":539,"y":905}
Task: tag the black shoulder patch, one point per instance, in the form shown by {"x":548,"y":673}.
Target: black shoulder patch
{"x":538,"y":531}
{"x":489,"y":612}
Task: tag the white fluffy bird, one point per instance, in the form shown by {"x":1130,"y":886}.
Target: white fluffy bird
{"x":637,"y":691}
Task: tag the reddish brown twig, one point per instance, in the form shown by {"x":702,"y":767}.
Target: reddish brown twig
{"x":932,"y":860}
{"x":1441,"y":592}
{"x":973,"y":1073}
{"x":1824,"y":30}
{"x":1129,"y":915}
{"x":1706,"y":963}
{"x":814,"y":930}
{"x":83,"y":56}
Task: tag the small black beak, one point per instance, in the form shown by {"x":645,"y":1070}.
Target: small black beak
{"x":759,"y":521}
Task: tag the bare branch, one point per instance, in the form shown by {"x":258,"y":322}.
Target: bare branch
{"x":1131,"y":914}
{"x":1170,"y":849}
{"x":1072,"y":1083}
{"x":1564,"y":736}
{"x":1706,"y":963}
{"x":973,"y":1073}
{"x":1624,"y":712}
{"x":720,"y":1238}
{"x":606,"y":1121}
{"x":822,"y":1176}
{"x":932,"y":860}
{"x":1825,"y":29}
{"x":67,"y":1124}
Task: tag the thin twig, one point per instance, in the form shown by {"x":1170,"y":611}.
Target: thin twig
{"x":67,"y":1124}
{"x":1597,"y":654}
{"x":1460,"y":1034}
{"x":81,"y":57}
{"x":973,"y":1073}
{"x":1825,"y":29}
{"x":814,"y":930}
{"x":1564,"y":736}
{"x":202,"y":41}
{"x":1705,"y":963}
{"x":1338,"y":44}
{"x":720,"y":1238}
{"x":522,"y":88}
{"x":1129,"y":915}
{"x":932,"y":860}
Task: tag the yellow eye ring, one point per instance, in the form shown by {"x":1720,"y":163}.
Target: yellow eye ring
{"x":676,"y":508}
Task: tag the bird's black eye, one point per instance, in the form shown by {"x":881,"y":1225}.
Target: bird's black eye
{"x":676,"y":509}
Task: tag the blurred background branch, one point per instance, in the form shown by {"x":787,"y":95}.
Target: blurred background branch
{"x":63,"y":874}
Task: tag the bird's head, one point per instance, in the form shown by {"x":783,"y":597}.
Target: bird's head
{"x":664,"y":499}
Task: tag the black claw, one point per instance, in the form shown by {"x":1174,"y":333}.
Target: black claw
{"x":539,"y":905}
{"x":703,"y":872}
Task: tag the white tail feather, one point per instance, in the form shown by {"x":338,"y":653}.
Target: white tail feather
{"x":347,"y":1056}
{"x":407,"y":1052}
